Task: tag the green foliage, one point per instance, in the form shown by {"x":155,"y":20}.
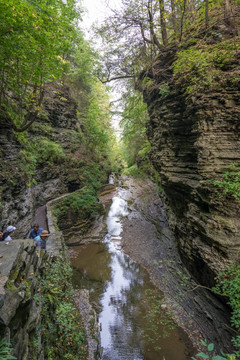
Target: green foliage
{"x":134,"y":171}
{"x":193,"y":68}
{"x":229,"y":182}
{"x":228,"y":284}
{"x":33,"y":152}
{"x":134,"y":140}
{"x":83,"y":60}
{"x":63,"y":330}
{"x":200,"y":66}
{"x":97,"y":138}
{"x":96,"y":120}
{"x":82,"y":203}
{"x":5,"y":351}
{"x":210,"y":353}
{"x":44,"y":128}
{"x":134,"y":143}
{"x":164,"y":90}
{"x":35,"y":37}
{"x":91,"y":177}
{"x":27,"y":158}
{"x":143,"y":152}
{"x":84,"y":200}
{"x":49,"y":151}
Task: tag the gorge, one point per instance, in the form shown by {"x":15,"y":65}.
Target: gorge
{"x":177,"y":164}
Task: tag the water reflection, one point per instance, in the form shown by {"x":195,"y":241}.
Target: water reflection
{"x":134,"y":327}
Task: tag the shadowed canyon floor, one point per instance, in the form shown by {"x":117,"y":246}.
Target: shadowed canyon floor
{"x":146,"y":238}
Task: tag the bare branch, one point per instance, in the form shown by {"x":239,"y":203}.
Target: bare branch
{"x":118,"y":78}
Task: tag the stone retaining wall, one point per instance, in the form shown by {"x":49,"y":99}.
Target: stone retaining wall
{"x":20,"y":314}
{"x":22,"y":267}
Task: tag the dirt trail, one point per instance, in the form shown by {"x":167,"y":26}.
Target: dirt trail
{"x":40,"y":217}
{"x":147,"y":239}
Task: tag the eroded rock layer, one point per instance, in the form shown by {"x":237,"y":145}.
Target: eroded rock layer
{"x":194,"y":139}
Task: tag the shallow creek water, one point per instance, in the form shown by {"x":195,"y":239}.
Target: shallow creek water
{"x":134,"y":323}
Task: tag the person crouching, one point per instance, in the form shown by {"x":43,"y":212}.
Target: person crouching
{"x":41,"y":239}
{"x":8,"y":233}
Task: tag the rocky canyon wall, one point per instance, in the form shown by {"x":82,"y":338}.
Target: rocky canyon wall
{"x":24,"y":301}
{"x":195,"y":138}
{"x":33,"y":169}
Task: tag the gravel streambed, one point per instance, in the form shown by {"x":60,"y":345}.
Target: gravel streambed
{"x":147,"y":239}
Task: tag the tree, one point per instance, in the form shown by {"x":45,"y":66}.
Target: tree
{"x":163,"y":23}
{"x":134,"y":118}
{"x":173,"y":16}
{"x":228,"y":16}
{"x":131,"y":39}
{"x":35,"y":38}
{"x":206,"y":14}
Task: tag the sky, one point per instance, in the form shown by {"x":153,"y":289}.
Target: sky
{"x":98,"y":10}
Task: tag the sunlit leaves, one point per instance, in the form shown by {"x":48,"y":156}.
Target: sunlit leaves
{"x":134,"y":119}
{"x":35,"y":38}
{"x":96,"y":119}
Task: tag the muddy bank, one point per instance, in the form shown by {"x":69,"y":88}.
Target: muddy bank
{"x":147,"y":239}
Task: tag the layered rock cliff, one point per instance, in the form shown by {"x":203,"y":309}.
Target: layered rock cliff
{"x":48,"y":160}
{"x":195,"y":137}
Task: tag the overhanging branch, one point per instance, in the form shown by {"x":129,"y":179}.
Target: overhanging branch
{"x":118,"y":78}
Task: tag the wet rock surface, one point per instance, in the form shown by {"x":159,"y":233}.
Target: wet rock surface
{"x":147,"y":239}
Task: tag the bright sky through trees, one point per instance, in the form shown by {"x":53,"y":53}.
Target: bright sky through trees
{"x":97,"y":10}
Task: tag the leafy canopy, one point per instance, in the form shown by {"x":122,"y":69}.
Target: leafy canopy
{"x":35,"y":38}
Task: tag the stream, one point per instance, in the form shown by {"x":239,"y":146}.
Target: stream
{"x":133,"y":319}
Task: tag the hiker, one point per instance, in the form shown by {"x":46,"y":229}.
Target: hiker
{"x":8,"y":232}
{"x":36,"y":230}
{"x":41,"y":239}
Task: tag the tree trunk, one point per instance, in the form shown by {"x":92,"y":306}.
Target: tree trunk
{"x":174,"y":20}
{"x":228,"y":13}
{"x":154,"y":39}
{"x":182,"y":19}
{"x":206,"y":14}
{"x":163,"y":22}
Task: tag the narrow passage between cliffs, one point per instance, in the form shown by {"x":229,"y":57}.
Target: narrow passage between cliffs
{"x":133,"y":319}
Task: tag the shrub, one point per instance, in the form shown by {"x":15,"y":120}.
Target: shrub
{"x":5,"y":351}
{"x":63,"y":331}
{"x":134,"y":171}
{"x":200,"y":66}
{"x":209,"y":354}
{"x":229,"y":182}
{"x":49,"y":151}
{"x":228,"y":284}
{"x":79,"y":205}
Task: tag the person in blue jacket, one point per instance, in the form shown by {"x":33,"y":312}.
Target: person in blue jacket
{"x":36,"y":230}
{"x":42,"y":239}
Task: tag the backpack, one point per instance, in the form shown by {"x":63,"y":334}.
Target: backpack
{"x":5,"y":235}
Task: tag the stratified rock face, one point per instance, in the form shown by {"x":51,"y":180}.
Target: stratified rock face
{"x":19,"y":196}
{"x":193,"y":140}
